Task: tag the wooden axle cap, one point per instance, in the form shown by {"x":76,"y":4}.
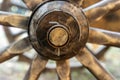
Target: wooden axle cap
{"x":58,"y":36}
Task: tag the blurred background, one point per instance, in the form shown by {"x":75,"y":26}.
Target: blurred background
{"x":15,"y":68}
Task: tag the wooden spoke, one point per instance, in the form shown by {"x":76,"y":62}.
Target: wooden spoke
{"x":109,"y":22}
{"x":92,"y":64}
{"x":37,"y":66}
{"x":16,"y":48}
{"x":87,"y":3}
{"x":77,"y":2}
{"x":13,"y":20}
{"x":99,"y":54}
{"x":63,"y":70}
{"x":104,"y":37}
{"x":11,"y":38}
{"x":32,"y":3}
{"x":100,"y":9}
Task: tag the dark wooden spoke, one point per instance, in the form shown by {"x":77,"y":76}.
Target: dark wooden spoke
{"x":37,"y":66}
{"x":16,"y":48}
{"x":32,"y":3}
{"x":13,"y":20}
{"x":100,"y":9}
{"x":63,"y":70}
{"x":104,"y":37}
{"x":93,"y":65}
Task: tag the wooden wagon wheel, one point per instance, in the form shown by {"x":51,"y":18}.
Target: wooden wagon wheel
{"x":59,"y":30}
{"x":6,"y":6}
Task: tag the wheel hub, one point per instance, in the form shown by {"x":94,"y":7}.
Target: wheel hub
{"x":58,"y":30}
{"x":58,"y":36}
